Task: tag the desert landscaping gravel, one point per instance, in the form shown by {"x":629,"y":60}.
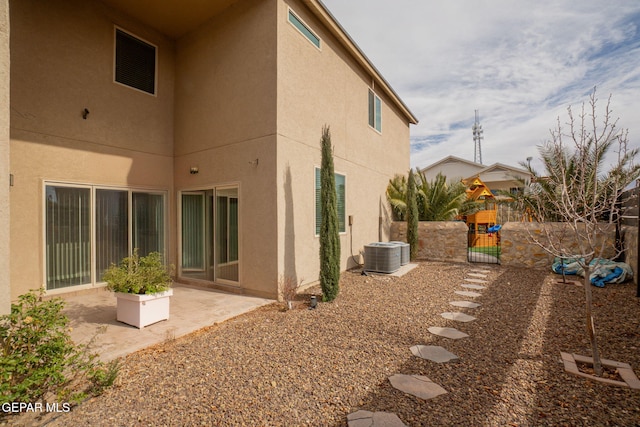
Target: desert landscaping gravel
{"x":305,"y":367}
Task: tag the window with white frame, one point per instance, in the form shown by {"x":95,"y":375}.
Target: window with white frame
{"x":88,"y":228}
{"x":135,"y":62}
{"x":341,"y":201}
{"x":375,"y":111}
{"x":304,"y":29}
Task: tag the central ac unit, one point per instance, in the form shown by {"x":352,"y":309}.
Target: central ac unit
{"x":382,"y":257}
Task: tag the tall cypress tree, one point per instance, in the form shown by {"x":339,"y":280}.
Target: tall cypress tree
{"x":412,"y":216}
{"x":329,"y":234}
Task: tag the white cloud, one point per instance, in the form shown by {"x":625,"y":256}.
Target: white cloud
{"x":521,"y":63}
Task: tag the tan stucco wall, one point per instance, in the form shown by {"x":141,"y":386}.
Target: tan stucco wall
{"x":226,"y":120}
{"x":318,"y":87}
{"x":62,"y":62}
{"x":5,"y":283}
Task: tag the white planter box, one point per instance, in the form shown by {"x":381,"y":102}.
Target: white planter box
{"x":142,"y":310}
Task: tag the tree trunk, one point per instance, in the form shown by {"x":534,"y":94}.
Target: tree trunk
{"x":597,"y":364}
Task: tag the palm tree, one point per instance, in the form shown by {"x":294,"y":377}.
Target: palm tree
{"x":440,"y":200}
{"x":397,"y":196}
{"x":577,"y":177}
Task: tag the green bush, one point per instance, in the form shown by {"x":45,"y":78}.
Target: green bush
{"x":138,"y":275}
{"x":412,"y":216}
{"x":329,"y":234}
{"x":38,"y":359}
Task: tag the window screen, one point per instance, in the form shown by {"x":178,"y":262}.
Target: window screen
{"x":135,"y":62}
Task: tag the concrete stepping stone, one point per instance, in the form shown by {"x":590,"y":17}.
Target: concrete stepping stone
{"x":476,"y":280}
{"x":465,"y":304}
{"x":480,"y":271}
{"x":470,"y":286}
{"x":458,"y":317}
{"x":477,"y":275}
{"x":433,"y":353}
{"x":451,"y":333}
{"x":363,"y":418}
{"x":468,"y":294}
{"x":416,"y":385}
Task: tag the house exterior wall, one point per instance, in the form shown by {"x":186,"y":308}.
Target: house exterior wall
{"x":241,"y":98}
{"x":5,"y":284}
{"x":226,"y":126}
{"x":62,"y":55}
{"x":318,"y":87}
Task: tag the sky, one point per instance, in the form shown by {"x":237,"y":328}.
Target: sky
{"x":520,"y":63}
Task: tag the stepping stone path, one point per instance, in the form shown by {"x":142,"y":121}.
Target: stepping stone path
{"x":416,"y":385}
{"x":433,"y":353}
{"x":419,"y":385}
{"x":476,"y":280}
{"x":372,"y":419}
{"x":460,"y":317}
{"x":478,"y":287}
{"x":465,"y":304}
{"x":468,"y":294}
{"x":452,"y":333}
{"x":477,"y":275}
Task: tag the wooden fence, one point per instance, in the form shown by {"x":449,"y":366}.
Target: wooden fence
{"x":629,"y":209}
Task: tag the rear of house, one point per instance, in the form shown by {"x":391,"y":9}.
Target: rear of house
{"x":192,"y":132}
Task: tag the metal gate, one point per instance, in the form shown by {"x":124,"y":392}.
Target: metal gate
{"x":483,"y":244}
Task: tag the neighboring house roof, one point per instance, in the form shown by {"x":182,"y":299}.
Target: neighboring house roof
{"x":453,"y":159}
{"x":501,"y":167}
{"x":497,"y":172}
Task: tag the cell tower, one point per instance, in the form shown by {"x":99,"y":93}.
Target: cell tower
{"x":477,"y":138}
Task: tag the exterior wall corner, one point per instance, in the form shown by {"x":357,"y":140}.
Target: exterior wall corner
{"x":5,"y":285}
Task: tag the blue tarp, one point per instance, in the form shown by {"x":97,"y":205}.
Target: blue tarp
{"x":603,"y":270}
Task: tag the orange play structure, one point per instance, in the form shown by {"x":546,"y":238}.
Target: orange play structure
{"x":480,"y":223}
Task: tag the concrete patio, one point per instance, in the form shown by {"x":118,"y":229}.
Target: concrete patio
{"x":191,"y":309}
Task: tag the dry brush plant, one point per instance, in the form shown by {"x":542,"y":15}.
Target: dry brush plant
{"x":289,"y":286}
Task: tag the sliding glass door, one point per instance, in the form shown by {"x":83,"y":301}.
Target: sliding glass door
{"x":112,"y":228}
{"x":227,"y":234}
{"x":210,"y":244}
{"x":88,"y":228}
{"x":68,"y":236}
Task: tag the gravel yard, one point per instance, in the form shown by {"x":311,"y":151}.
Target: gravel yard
{"x":313,"y":367}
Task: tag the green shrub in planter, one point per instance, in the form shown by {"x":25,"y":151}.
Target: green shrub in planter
{"x":139,"y":275}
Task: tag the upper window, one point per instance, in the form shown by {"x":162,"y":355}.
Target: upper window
{"x":341,"y":199}
{"x":304,"y":29}
{"x":375,"y":111}
{"x":135,"y":64}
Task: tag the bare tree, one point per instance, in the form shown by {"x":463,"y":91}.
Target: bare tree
{"x":576,"y":191}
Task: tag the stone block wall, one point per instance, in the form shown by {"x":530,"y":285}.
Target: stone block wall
{"x":447,"y":241}
{"x":438,"y":240}
{"x":518,"y":250}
